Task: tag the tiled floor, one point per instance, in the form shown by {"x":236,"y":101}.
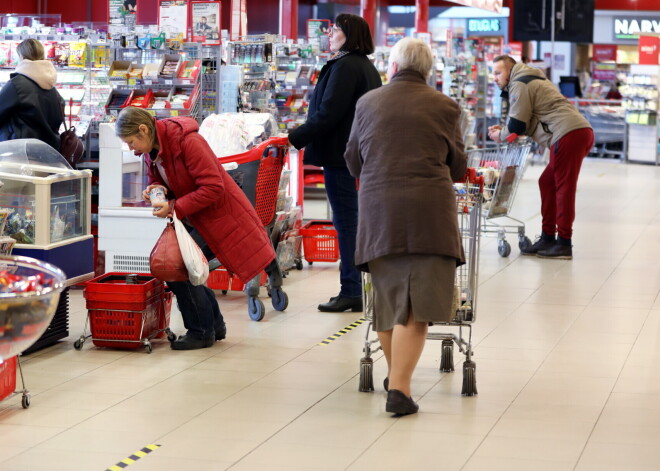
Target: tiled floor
{"x":565,"y":354}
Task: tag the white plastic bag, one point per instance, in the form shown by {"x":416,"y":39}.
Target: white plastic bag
{"x":194,"y":259}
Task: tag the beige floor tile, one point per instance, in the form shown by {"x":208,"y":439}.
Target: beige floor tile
{"x":530,"y":449}
{"x":541,"y":429}
{"x":8,"y":452}
{"x":279,"y":455}
{"x":623,"y":455}
{"x":512,"y":464}
{"x":61,"y":460}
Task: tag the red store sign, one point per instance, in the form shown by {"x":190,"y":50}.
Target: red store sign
{"x":649,"y":50}
{"x":604,"y":52}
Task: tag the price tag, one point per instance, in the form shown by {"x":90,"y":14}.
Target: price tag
{"x":294,"y":110}
{"x":148,"y":82}
{"x":151,"y":112}
{"x":168,"y":82}
{"x":174,"y":113}
{"x":132,"y":81}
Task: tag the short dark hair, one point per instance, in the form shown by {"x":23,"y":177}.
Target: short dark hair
{"x":357,"y":32}
{"x":507,"y":59}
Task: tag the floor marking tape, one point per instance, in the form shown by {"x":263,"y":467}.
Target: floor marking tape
{"x":133,"y":458}
{"x":343,"y":331}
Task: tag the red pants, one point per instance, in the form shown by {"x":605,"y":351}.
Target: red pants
{"x":558,"y":183}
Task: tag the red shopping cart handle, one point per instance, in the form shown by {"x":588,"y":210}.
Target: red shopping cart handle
{"x":472,"y":177}
{"x":511,"y":137}
{"x":257,"y":152}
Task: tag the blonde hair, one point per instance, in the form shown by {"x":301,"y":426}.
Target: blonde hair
{"x":31,"y":49}
{"x":413,"y":54}
{"x":129,"y":121}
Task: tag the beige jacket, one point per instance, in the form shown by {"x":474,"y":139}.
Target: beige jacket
{"x":406,"y":149}
{"x":538,"y":109}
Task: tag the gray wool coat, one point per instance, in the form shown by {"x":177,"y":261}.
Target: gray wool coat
{"x":406,"y":148}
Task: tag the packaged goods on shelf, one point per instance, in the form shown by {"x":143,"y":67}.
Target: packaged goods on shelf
{"x":169,"y":66}
{"x":135,"y":71}
{"x":190,"y":69}
{"x":141,"y":98}
{"x":77,"y":54}
{"x":150,"y":71}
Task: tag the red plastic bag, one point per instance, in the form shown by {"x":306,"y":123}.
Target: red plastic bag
{"x":165,"y":261}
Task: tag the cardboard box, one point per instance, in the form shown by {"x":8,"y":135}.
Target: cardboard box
{"x":169,"y":66}
{"x":190,"y":70}
{"x":119,"y":70}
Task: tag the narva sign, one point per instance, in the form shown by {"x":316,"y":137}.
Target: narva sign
{"x":630,"y":28}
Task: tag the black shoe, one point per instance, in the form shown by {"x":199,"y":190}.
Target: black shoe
{"x":400,"y":404}
{"x":545,"y":241}
{"x":561,"y":250}
{"x":186,"y":342}
{"x":341,"y":304}
{"x":221,"y":332}
{"x":386,"y":383}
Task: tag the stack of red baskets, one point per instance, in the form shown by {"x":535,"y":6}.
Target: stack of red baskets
{"x":124,"y":309}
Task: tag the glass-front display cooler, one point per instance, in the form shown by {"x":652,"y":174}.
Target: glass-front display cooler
{"x":47,"y":206}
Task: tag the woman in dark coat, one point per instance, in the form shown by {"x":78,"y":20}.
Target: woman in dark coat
{"x":205,"y":197}
{"x":30,"y":106}
{"x":343,"y":80}
{"x":406,"y":149}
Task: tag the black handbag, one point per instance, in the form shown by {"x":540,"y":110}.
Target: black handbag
{"x":72,"y":147}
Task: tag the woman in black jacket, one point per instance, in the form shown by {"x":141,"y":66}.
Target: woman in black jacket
{"x":30,"y":106}
{"x":343,"y":80}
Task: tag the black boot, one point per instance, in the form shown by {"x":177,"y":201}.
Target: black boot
{"x":221,"y":332}
{"x":341,"y":304}
{"x":187,"y":342}
{"x":400,"y":404}
{"x":561,"y":250}
{"x":545,"y":241}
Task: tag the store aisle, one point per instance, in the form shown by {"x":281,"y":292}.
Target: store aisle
{"x":566,"y":355}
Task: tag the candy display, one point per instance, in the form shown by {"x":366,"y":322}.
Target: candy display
{"x":10,"y":283}
{"x":29,"y":293}
{"x":77,"y":54}
{"x":20,"y":226}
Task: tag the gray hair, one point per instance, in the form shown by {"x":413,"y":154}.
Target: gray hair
{"x":413,"y":54}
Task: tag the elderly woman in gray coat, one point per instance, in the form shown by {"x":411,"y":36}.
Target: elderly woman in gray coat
{"x":406,"y":148}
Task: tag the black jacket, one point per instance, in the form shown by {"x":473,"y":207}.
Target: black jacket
{"x":341,"y":83}
{"x":29,"y":111}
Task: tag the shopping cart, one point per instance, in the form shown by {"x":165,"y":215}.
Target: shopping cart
{"x":24,"y":316}
{"x":257,"y":172}
{"x":469,"y":199}
{"x":126,"y":310}
{"x":502,"y":168}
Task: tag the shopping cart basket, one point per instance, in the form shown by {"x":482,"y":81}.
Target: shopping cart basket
{"x":126,"y":310}
{"x":469,"y":199}
{"x":257,"y":172}
{"x":502,"y":168}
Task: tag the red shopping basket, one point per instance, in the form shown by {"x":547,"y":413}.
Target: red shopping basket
{"x":320,"y":241}
{"x":7,"y":378}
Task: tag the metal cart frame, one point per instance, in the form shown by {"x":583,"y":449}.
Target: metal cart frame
{"x":469,"y":199}
{"x":502,"y":168}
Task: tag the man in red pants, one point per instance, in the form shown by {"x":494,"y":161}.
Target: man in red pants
{"x":537,"y":109}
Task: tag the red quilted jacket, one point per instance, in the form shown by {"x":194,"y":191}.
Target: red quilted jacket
{"x":210,"y":199}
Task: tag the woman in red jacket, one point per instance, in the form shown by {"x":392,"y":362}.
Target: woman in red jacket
{"x":207,"y":199}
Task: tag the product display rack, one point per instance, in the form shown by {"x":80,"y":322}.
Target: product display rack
{"x":641,"y":101}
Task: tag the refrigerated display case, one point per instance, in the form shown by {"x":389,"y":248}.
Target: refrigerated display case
{"x":49,"y":207}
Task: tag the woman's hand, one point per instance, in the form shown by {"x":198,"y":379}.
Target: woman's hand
{"x":162,"y":210}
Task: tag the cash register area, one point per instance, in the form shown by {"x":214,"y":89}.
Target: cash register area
{"x":567,"y":370}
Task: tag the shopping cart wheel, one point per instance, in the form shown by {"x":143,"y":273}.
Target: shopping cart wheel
{"x":279,"y":299}
{"x":224,"y":291}
{"x":148,"y":346}
{"x":447,"y":356}
{"x":469,"y":378}
{"x":503,"y":248}
{"x":78,"y":344}
{"x":524,"y":243}
{"x":256,"y":309}
{"x":171,"y":336}
{"x":299,"y":265}
{"x":25,"y":400}
{"x":366,"y":375}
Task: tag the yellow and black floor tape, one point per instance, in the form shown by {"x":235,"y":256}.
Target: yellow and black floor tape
{"x":133,"y":458}
{"x":343,"y":331}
